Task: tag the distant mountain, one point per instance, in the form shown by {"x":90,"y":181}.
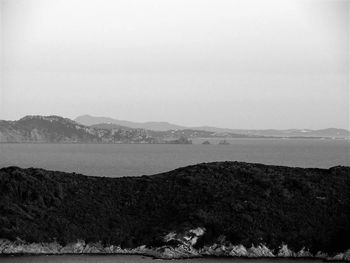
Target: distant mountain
{"x":179,"y":133}
{"x":330,"y":133}
{"x":110,"y":126}
{"x":55,"y":129}
{"x":165,"y":126}
{"x":45,"y":129}
{"x":156,"y":126}
{"x":289,"y":133}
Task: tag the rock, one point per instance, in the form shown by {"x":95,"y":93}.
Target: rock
{"x":94,"y":248}
{"x":188,"y":238}
{"x":304,"y":253}
{"x":260,"y":251}
{"x":321,"y":255}
{"x":342,"y":256}
{"x":238,"y":251}
{"x":285,"y":252}
{"x":109,"y":249}
{"x":198,"y":231}
{"x":170,"y":236}
{"x":74,"y":248}
{"x":4,"y":243}
{"x":166,"y":252}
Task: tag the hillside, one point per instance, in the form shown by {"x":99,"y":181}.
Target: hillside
{"x":174,"y":134}
{"x":235,"y":133}
{"x":45,"y":129}
{"x":89,"y":120}
{"x":325,"y":133}
{"x":56,"y":129}
{"x":232,"y":203}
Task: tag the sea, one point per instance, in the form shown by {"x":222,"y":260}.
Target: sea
{"x":116,"y":160}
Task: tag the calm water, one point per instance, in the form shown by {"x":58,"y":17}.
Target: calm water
{"x":138,"y":259}
{"x":137,"y":159}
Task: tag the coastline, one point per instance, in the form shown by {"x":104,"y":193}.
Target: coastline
{"x":20,"y":247}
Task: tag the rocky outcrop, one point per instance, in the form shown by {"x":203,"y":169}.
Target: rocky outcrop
{"x":189,"y":238}
{"x":342,"y":256}
{"x":166,"y":252}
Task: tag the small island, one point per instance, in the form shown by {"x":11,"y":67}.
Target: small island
{"x":209,"y":209}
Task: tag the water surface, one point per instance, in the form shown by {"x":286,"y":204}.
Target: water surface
{"x":138,"y":159}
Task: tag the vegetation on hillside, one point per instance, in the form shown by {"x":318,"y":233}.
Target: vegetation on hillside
{"x":236,"y":202}
{"x":55,"y":129}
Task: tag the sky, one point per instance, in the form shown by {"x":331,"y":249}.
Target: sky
{"x":253,"y":64}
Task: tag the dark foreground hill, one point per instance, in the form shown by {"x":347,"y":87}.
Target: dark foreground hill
{"x":236,"y":203}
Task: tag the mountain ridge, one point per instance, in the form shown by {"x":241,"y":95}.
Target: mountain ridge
{"x":57,"y":129}
{"x":165,"y":126}
{"x":152,"y":125}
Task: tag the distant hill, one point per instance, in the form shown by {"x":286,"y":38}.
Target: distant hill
{"x":330,"y":132}
{"x":220,"y":205}
{"x":109,"y":126}
{"x":165,"y":126}
{"x":289,"y":133}
{"x":55,"y":129}
{"x":156,"y":126}
{"x":186,"y":133}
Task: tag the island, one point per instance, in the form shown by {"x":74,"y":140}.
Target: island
{"x":211,"y":209}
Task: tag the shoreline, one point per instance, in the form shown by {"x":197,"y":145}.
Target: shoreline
{"x":180,"y":258}
{"x":195,"y":143}
{"x":21,"y":248}
{"x":330,"y":259}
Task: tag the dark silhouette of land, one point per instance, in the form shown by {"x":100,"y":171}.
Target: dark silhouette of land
{"x":239,"y":203}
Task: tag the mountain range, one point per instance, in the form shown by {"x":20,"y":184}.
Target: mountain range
{"x":165,"y":126}
{"x":56,"y":129}
{"x":156,"y":126}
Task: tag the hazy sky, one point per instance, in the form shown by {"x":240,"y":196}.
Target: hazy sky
{"x":234,"y":64}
